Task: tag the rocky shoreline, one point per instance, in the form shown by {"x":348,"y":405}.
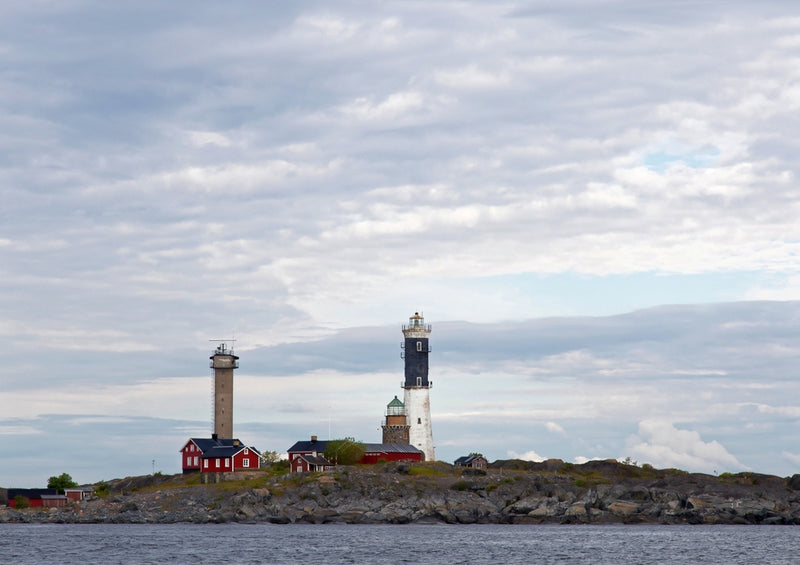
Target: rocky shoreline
{"x":510,"y":492}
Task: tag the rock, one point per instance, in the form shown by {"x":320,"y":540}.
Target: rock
{"x":622,"y":508}
{"x":576,"y":509}
{"x":553,"y":492}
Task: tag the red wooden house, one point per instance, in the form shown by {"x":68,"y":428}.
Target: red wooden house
{"x":472,"y":461}
{"x":79,"y":493}
{"x":304,"y":462}
{"x":218,"y":456}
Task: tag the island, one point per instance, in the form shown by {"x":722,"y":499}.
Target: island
{"x":507,"y":492}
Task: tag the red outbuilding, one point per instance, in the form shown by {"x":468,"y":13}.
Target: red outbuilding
{"x":37,"y":497}
{"x":307,"y":455}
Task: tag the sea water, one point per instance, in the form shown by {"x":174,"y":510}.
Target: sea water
{"x":378,"y":544}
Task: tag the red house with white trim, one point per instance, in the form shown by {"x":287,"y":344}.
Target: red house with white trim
{"x":218,"y":456}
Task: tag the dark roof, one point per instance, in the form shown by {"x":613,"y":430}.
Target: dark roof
{"x":391,"y":448}
{"x":316,"y":460}
{"x":31,"y":493}
{"x":309,"y":445}
{"x":320,"y":445}
{"x":211,"y":447}
{"x":467,"y":459}
{"x":221,"y":452}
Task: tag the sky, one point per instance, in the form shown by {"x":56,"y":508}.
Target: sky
{"x":594,"y":203}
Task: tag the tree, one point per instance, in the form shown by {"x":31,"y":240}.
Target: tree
{"x":270,"y":457}
{"x":61,"y":482}
{"x":345,"y":451}
{"x":21,"y":502}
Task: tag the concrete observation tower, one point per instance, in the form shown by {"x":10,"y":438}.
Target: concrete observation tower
{"x":223,"y":362}
{"x":417,"y":387}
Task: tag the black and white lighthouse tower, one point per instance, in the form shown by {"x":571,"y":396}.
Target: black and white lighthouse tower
{"x":417,"y":386}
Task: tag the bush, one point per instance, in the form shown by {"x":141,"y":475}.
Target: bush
{"x":101,"y":489}
{"x":282,"y":465}
{"x":61,"y":482}
{"x":21,"y":502}
{"x":345,"y":451}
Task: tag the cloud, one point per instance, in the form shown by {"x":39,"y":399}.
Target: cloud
{"x":527,"y":456}
{"x":661,"y":444}
{"x":547,"y":183}
{"x":580,"y":459}
{"x":794,"y":458}
{"x":201,"y":138}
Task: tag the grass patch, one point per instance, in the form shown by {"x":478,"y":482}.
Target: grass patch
{"x":591,"y":481}
{"x":426,"y":471}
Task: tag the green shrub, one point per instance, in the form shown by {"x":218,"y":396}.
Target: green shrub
{"x":21,"y":502}
{"x":282,"y":465}
{"x":61,"y":482}
{"x":346,"y":451}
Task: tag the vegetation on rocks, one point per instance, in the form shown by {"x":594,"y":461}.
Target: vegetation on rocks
{"x":394,"y":493}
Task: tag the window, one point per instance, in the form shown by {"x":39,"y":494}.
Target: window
{"x":246,"y":451}
{"x":196,"y":462}
{"x":419,"y":346}
{"x":227,"y":463}
{"x":217,"y":460}
{"x":419,"y":381}
{"x":419,"y":420}
{"x":205,"y":463}
{"x":245,"y":462}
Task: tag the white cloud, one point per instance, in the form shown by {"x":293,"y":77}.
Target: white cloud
{"x":201,"y":138}
{"x":794,"y":458}
{"x":580,"y":459}
{"x":554,"y":428}
{"x":472,"y":77}
{"x":19,"y":430}
{"x":661,"y":444}
{"x":527,"y":456}
{"x":392,"y":106}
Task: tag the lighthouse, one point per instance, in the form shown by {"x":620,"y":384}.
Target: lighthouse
{"x":395,"y":430}
{"x":416,"y":400}
{"x":223,"y":362}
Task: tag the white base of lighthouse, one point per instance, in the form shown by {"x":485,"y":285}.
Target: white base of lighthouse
{"x":417,"y":402}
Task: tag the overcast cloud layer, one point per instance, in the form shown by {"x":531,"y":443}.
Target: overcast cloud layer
{"x":304,"y":176}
